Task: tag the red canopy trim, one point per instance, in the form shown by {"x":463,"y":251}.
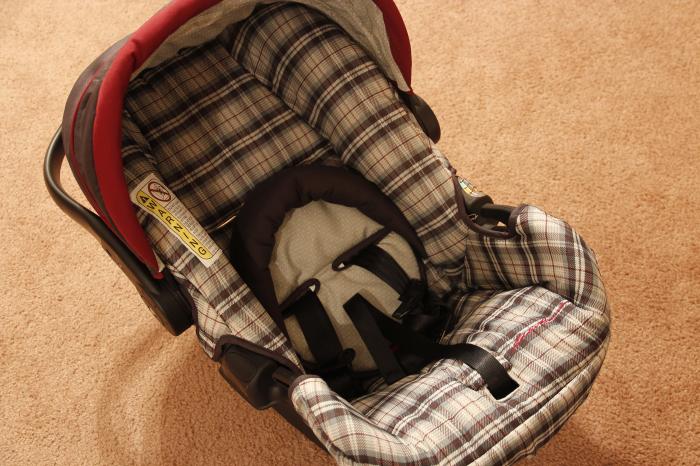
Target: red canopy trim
{"x":398,"y":37}
{"x":106,"y":131}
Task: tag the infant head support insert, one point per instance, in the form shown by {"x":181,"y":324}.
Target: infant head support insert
{"x":266,"y":173}
{"x":332,"y":260}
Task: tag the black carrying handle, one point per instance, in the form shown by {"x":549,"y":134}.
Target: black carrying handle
{"x":162,"y":296}
{"x":55,"y":155}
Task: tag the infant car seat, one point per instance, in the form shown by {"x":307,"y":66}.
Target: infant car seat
{"x":266,"y":173}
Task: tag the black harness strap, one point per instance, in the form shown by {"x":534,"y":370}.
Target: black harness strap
{"x":360,"y":312}
{"x":316,"y":327}
{"x":415,"y":350}
{"x":420,"y":309}
{"x":333,"y":363}
{"x":379,"y":262}
{"x":497,"y":380}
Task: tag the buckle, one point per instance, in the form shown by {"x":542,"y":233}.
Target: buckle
{"x":341,"y":363}
{"x":411,"y":299}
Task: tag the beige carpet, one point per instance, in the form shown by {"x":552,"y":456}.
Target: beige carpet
{"x":590,"y":109}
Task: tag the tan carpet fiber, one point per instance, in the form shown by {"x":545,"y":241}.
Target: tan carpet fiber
{"x":589,"y":109}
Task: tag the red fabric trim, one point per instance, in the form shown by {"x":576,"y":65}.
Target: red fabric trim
{"x":398,"y":37}
{"x":107,"y":126}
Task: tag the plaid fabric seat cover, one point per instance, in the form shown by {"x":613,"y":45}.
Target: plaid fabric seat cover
{"x":288,"y":87}
{"x":537,"y":303}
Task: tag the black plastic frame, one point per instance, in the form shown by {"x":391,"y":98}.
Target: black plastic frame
{"x":162,"y":296}
{"x":262,"y":378}
{"x":424,"y":115}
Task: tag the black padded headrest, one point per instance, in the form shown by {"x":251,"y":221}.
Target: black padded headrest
{"x":265,"y":207}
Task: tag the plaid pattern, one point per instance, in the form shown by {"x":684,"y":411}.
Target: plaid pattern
{"x":211,"y":131}
{"x":214,"y":131}
{"x":539,"y":307}
{"x":224,"y":304}
{"x":332,"y":83}
{"x":292,"y":88}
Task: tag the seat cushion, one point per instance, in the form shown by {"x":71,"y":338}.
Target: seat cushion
{"x":332,"y":83}
{"x":551,"y":335}
{"x":306,"y":245}
{"x":294,"y":232}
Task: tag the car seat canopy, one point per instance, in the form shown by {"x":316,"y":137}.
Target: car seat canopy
{"x":270,"y":158}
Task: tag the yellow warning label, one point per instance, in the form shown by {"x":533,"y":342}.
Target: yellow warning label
{"x":171,"y":221}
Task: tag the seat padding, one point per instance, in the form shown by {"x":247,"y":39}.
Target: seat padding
{"x":212,"y":130}
{"x":553,"y":345}
{"x":293,"y":228}
{"x":306,"y":245}
{"x":332,"y":83}
{"x":290,"y":88}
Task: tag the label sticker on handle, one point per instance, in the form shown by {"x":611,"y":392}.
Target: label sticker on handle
{"x":159,"y":201}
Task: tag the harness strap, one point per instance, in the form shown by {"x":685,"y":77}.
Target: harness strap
{"x":360,"y":312}
{"x":317,"y":328}
{"x":332,"y":362}
{"x":379,"y":262}
{"x":420,"y":309}
{"x":415,"y":350}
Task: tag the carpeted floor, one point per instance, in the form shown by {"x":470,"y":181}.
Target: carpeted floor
{"x":590,"y":109}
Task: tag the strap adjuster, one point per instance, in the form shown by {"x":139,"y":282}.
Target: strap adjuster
{"x":411,"y":299}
